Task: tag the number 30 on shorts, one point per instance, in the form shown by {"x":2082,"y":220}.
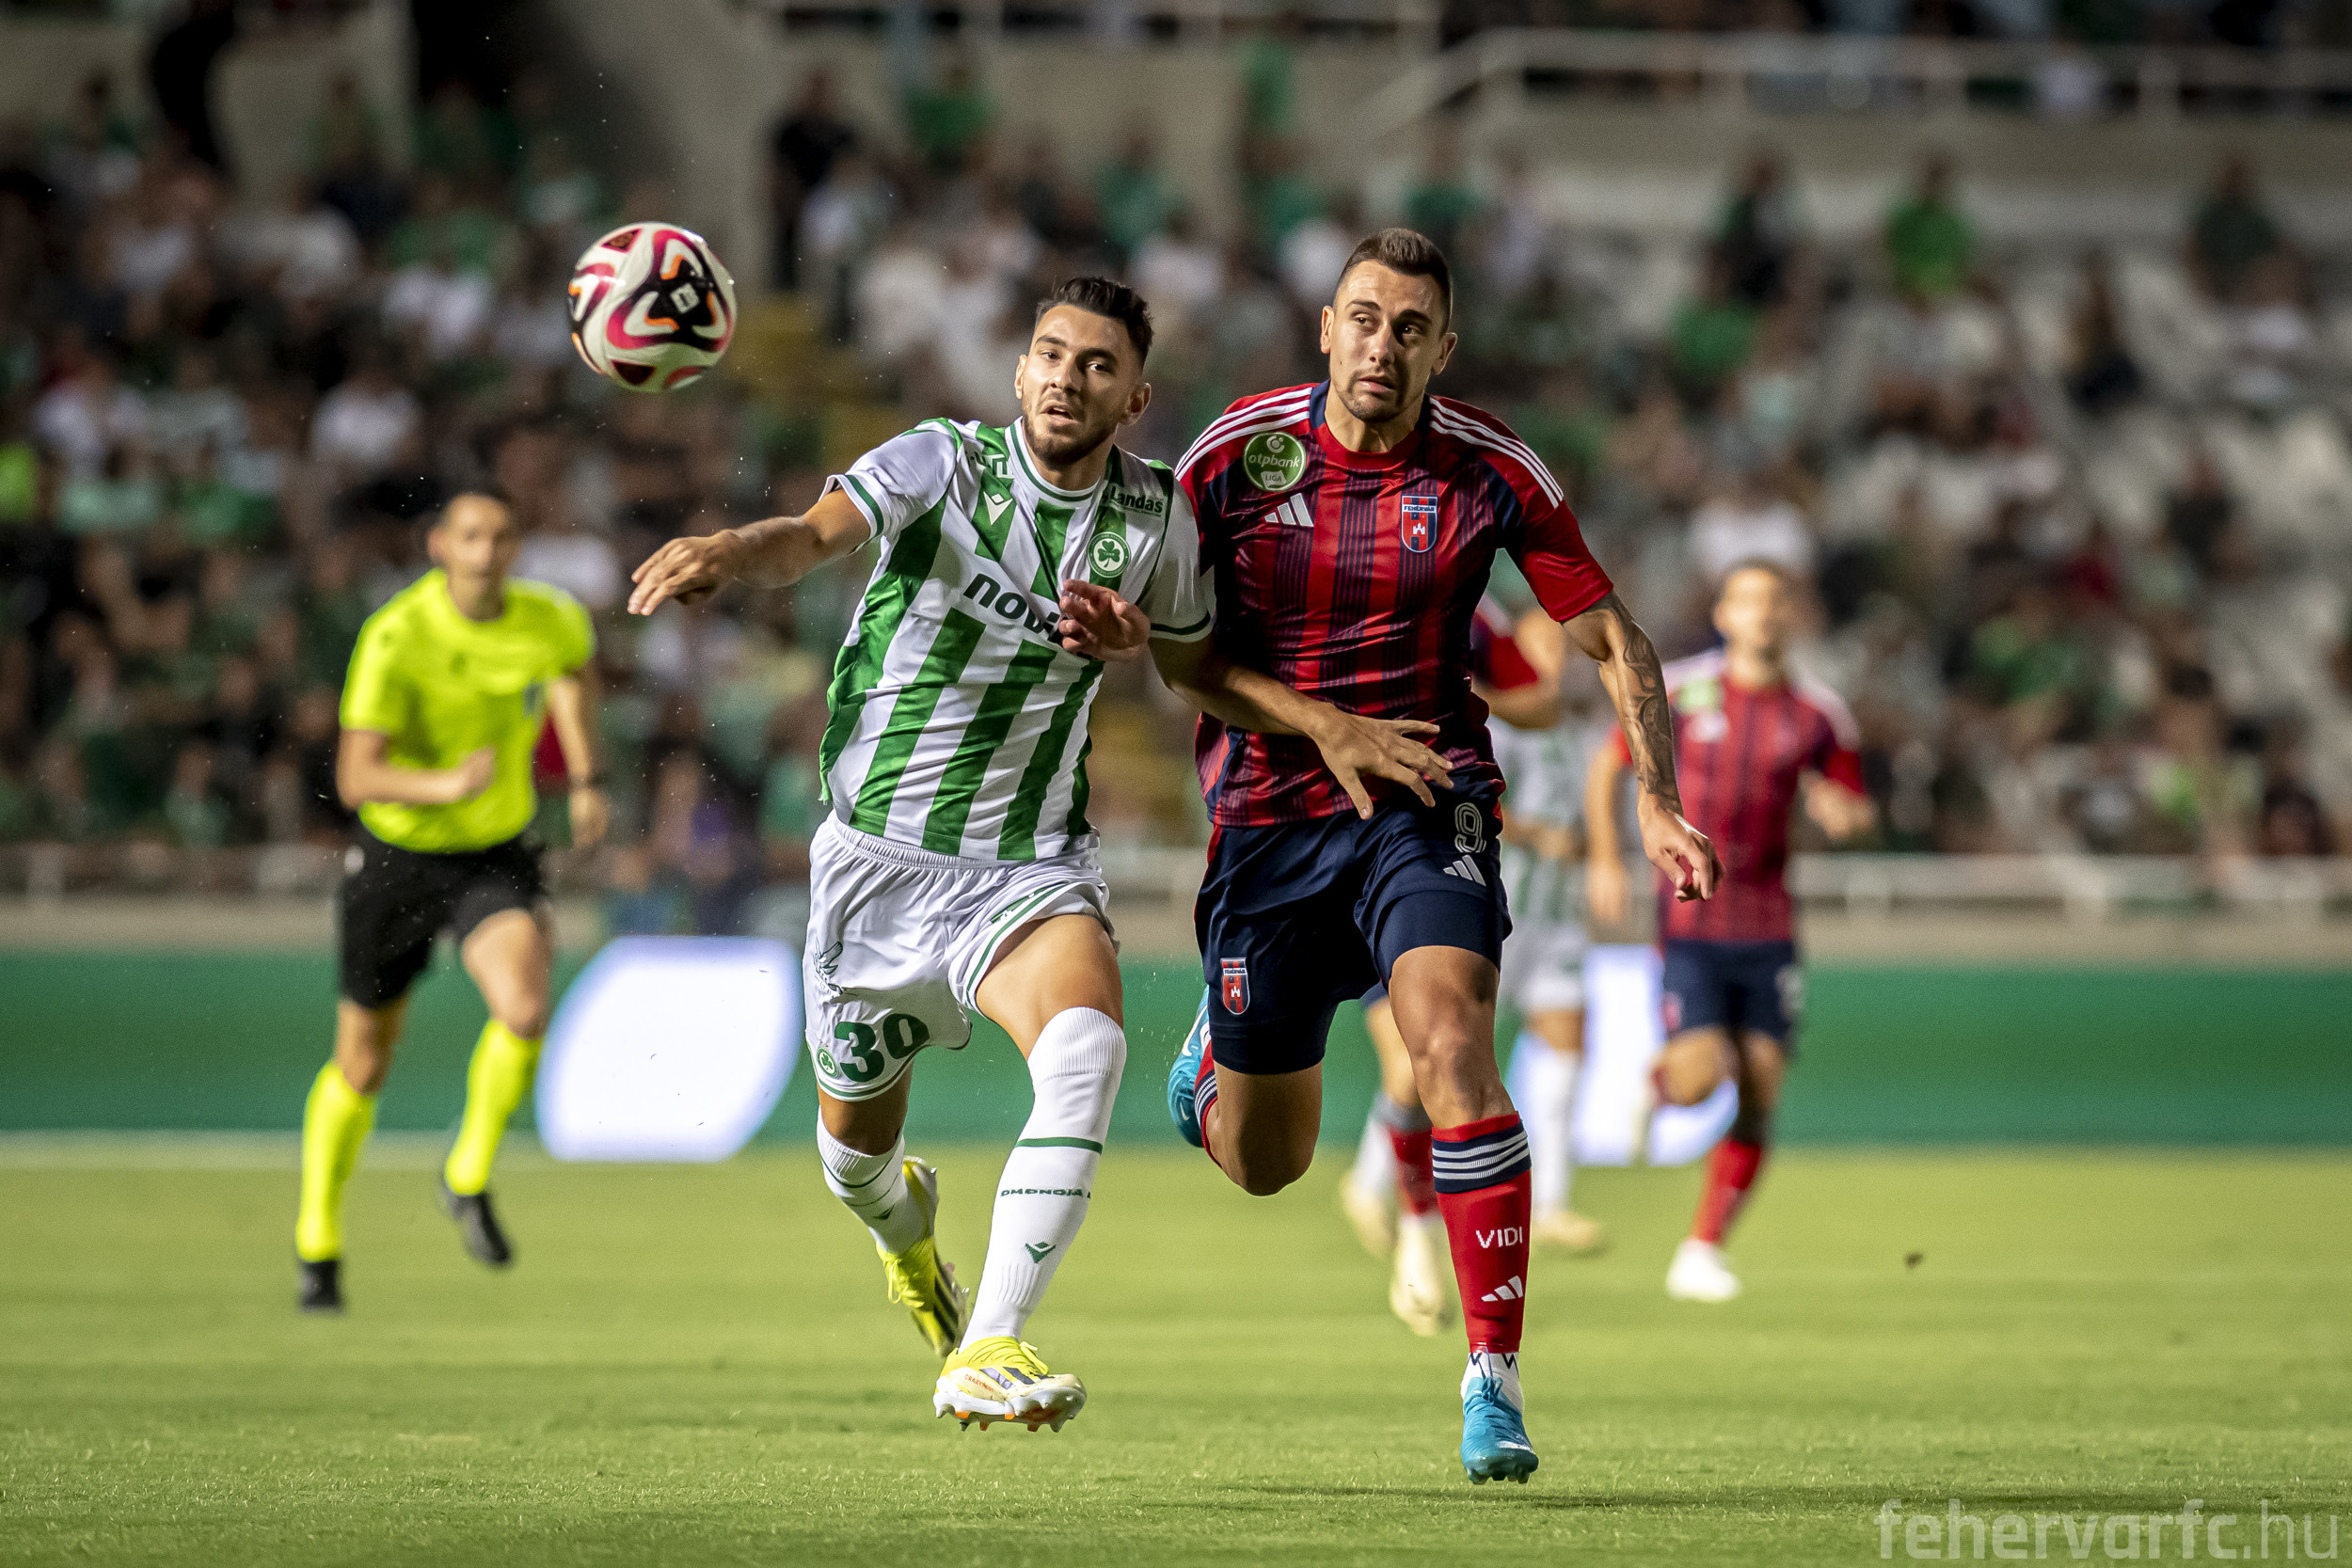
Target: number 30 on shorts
{"x":861,"y":1050}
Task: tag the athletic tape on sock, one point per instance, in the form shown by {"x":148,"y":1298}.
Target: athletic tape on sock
{"x":874,"y":1188}
{"x":1399,"y":1118}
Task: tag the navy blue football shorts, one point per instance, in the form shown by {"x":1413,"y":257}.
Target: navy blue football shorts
{"x":1750,"y":987}
{"x":1295,"y":918}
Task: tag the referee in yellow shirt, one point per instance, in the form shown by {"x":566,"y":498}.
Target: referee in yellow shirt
{"x":441,"y":712}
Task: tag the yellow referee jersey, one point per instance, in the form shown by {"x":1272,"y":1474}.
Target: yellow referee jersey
{"x":441,"y":687}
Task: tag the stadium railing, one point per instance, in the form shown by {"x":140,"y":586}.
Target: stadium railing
{"x":1411,"y":23}
{"x":2084,"y":887}
{"x":1839,"y":71}
{"x":2079,"y":886}
{"x":1855,"y":73}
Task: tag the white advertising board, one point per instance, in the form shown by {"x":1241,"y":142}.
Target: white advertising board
{"x":670,"y":1047}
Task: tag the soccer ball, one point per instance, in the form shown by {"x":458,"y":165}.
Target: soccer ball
{"x":652,"y":308}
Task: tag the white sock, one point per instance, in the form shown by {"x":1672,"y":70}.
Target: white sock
{"x":1549,"y":1115}
{"x":874,"y":1188}
{"x":1041,"y":1200}
{"x":1374,"y":1170}
{"x":1503,"y":1366}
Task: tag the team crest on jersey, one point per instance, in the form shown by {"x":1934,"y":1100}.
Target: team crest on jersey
{"x":1274,"y":461}
{"x":1106,"y":557}
{"x":1421,"y":521}
{"x":1235,"y":990}
{"x":1710,"y":726}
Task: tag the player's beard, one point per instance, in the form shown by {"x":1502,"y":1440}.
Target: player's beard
{"x":1375,"y":410}
{"x":1061,"y":451}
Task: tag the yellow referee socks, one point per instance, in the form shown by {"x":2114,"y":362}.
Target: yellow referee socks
{"x":336,"y":1121}
{"x":504,"y":1063}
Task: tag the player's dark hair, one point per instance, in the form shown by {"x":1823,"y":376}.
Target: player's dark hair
{"x":1102,"y":296}
{"x":435,"y":519}
{"x":1410,"y":252}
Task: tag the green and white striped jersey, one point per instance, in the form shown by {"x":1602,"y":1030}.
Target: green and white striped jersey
{"x":1543,"y":778}
{"x":958,"y":724}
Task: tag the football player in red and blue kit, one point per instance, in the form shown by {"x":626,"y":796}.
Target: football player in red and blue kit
{"x":1752,"y":737}
{"x":1351,"y":525}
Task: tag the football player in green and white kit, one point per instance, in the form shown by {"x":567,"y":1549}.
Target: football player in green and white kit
{"x":954,"y":871}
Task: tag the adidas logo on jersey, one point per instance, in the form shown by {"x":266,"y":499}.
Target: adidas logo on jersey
{"x":1467,"y":870}
{"x":1510,"y":1289}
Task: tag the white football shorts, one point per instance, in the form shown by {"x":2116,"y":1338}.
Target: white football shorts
{"x":1543,"y":957}
{"x":900,"y":938}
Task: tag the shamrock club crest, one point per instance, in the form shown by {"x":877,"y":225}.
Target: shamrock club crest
{"x":1235,"y":987}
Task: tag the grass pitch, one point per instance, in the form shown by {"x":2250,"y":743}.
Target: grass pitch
{"x":695,"y":1366}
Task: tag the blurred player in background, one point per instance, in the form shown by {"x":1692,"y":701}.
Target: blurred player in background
{"x":1543,"y":964}
{"x":448,"y":688}
{"x":1351,"y":525}
{"x":1752,"y":737}
{"x":956,"y":872}
{"x":1387,"y":1195}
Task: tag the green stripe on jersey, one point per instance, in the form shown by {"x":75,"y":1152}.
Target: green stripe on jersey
{"x":1079,"y":787}
{"x":860,"y":664}
{"x":992,"y":523}
{"x":1019,"y":840}
{"x":1053,"y":531}
{"x":950,"y":651}
{"x":1057,"y":1143}
{"x":960,"y":784}
{"x":871,"y":507}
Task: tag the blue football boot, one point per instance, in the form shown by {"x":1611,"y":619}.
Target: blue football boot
{"x":1184,"y":1076}
{"x":1494,"y":1438}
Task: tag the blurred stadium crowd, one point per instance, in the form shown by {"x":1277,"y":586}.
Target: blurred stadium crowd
{"x":2081,"y":525}
{"x":2237,"y":24}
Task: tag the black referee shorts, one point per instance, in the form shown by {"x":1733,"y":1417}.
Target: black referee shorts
{"x":393,"y":902}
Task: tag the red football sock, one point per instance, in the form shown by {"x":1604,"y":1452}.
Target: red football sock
{"x":1415,"y":1187}
{"x":1730,"y":1172}
{"x":1204,"y":1101}
{"x":1481,"y":1175}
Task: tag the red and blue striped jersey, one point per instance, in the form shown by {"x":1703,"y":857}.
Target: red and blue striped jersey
{"x":1355,"y":577}
{"x":1497,"y":660}
{"x":1740,"y":756}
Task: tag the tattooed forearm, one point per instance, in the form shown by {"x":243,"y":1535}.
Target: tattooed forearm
{"x":1630,"y":669}
{"x":1648,"y":718}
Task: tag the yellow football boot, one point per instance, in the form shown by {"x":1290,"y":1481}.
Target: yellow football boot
{"x":922,"y":1281}
{"x":1000,"y":1379}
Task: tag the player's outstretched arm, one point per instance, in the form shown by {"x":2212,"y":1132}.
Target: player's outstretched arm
{"x":1842,"y":813}
{"x":1353,"y":746}
{"x":572,"y":708}
{"x":1637,"y":685}
{"x":774,"y":553}
{"x":365,"y":774}
{"x":1534,"y":706}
